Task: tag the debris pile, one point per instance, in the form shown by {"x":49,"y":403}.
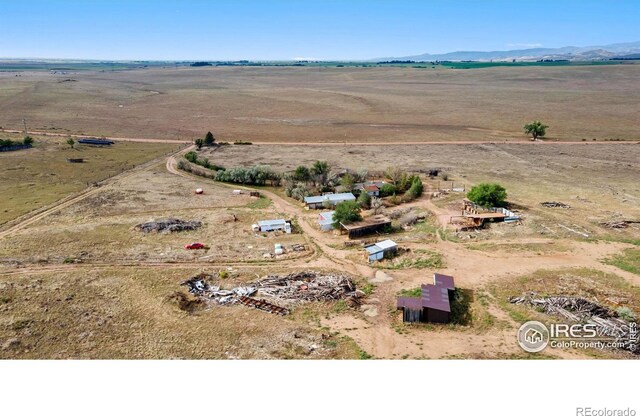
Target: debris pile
{"x":576,"y":309}
{"x":619,"y":224}
{"x":274,"y":294}
{"x":168,"y":226}
{"x":298,"y":247}
{"x":554,"y":204}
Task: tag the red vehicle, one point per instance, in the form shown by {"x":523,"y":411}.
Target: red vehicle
{"x":194,"y":246}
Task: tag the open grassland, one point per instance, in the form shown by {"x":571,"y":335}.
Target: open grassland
{"x":330,"y":104}
{"x":41,"y":175}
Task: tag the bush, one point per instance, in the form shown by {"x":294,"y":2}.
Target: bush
{"x":346,"y":212}
{"x":416,"y":188}
{"x":387,"y":189}
{"x":28,"y":141}
{"x":302,"y":174}
{"x":626,"y":314}
{"x":364,"y":200}
{"x":256,"y":175}
{"x":191,"y":156}
{"x":488,"y":195}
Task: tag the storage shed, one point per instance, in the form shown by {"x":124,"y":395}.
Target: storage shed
{"x":434,"y":303}
{"x":325,"y":220}
{"x":319,"y":202}
{"x":381,"y":250}
{"x":272,"y":225}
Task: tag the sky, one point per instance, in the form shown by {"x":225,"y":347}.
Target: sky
{"x":285,"y":30}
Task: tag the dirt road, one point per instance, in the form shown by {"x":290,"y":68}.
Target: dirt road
{"x":345,"y":143}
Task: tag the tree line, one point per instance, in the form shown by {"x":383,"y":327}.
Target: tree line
{"x":8,"y":143}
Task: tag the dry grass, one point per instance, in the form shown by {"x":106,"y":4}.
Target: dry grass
{"x":40,"y":176}
{"x":131,"y":313}
{"x":329,"y":104}
{"x":101,"y":227}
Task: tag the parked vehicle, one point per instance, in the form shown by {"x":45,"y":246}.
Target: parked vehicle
{"x":194,"y":246}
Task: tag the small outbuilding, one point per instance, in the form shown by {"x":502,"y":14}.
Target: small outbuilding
{"x":320,"y":201}
{"x":272,"y":225}
{"x":325,"y":220}
{"x":434,"y":304}
{"x":381,"y":250}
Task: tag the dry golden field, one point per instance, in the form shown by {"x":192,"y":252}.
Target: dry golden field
{"x":328,"y":104}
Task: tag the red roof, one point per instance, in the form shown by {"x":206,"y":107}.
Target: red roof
{"x":371,"y":188}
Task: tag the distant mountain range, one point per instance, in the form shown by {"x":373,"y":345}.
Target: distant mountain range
{"x":571,"y":53}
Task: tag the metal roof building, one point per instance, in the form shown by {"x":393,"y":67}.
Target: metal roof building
{"x":381,"y":249}
{"x":315,"y":202}
{"x":434,"y":304}
{"x":325,"y":220}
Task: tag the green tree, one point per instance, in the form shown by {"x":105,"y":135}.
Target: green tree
{"x":209,"y":139}
{"x":488,"y":195}
{"x":364,"y":200}
{"x":347,"y":182}
{"x":416,"y":188}
{"x":320,"y":170}
{"x":346,"y":212}
{"x":28,"y":141}
{"x":535,"y":129}
{"x":199,"y":143}
{"x":302,"y":174}
{"x":387,"y":189}
{"x":71,"y":142}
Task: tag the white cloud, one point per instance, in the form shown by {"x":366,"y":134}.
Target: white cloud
{"x":524,"y":45}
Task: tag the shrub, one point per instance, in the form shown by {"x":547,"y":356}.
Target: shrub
{"x":488,"y":195}
{"x":364,"y":200}
{"x":302,"y":174}
{"x":626,"y":314}
{"x":191,"y":156}
{"x":27,"y":141}
{"x":387,"y":189}
{"x":416,"y":188}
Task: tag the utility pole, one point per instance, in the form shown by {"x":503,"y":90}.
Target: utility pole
{"x":25,"y":126}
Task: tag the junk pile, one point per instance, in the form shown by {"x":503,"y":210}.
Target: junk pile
{"x":620,"y":224}
{"x":275,"y":294}
{"x":554,"y":204}
{"x":580,"y":310}
{"x":169,"y":225}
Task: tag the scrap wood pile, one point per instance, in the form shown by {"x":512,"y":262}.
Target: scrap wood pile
{"x":168,"y":226}
{"x":580,"y":310}
{"x":554,"y":204}
{"x":620,"y":223}
{"x":274,"y":294}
